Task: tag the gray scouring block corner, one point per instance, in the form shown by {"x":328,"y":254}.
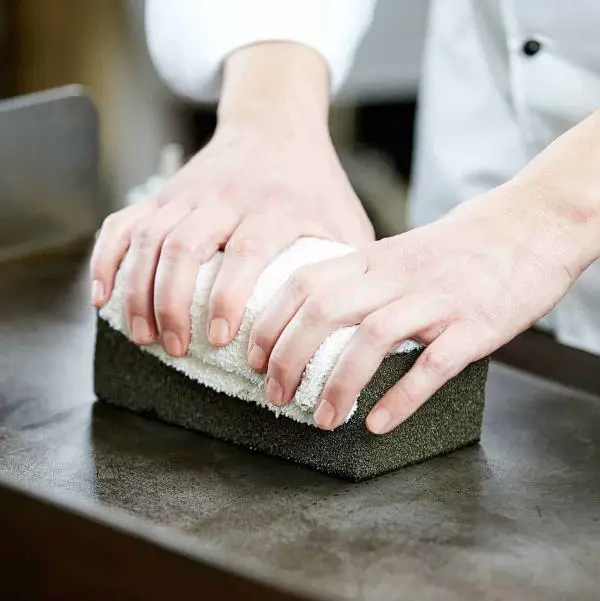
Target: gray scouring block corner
{"x":126,"y":376}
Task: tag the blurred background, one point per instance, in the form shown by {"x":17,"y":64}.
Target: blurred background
{"x":45,"y":44}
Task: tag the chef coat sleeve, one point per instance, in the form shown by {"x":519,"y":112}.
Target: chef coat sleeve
{"x":188,"y":40}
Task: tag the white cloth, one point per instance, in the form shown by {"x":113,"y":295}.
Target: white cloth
{"x":486,"y":106}
{"x":226,"y":369}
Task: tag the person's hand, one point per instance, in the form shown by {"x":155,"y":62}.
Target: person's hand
{"x":464,"y":286}
{"x":269,"y":175}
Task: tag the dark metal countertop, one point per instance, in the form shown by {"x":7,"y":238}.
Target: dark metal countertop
{"x":516,"y":517}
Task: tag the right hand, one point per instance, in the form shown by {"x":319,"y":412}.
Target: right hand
{"x":258,"y":185}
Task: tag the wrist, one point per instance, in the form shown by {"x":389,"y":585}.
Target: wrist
{"x":562,"y":186}
{"x":280,"y":85}
{"x":519,"y":215}
{"x":553,"y":235}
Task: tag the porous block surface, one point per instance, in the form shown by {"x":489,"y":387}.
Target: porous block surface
{"x":126,"y":376}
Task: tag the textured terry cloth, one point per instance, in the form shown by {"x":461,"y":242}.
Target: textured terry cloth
{"x":226,"y":369}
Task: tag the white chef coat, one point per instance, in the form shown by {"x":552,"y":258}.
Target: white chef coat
{"x":501,"y":79}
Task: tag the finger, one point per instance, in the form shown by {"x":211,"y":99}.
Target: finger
{"x":192,"y":242}
{"x":376,"y":336}
{"x":446,"y":357}
{"x":110,"y":248}
{"x":140,"y":265}
{"x":250,"y":249}
{"x":337,"y":305}
{"x":270,"y":324}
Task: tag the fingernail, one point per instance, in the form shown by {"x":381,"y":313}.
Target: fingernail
{"x":274,"y":391}
{"x":325,"y":416}
{"x":140,"y":330}
{"x":97,"y":292}
{"x":379,"y":421}
{"x":172,"y":344}
{"x":256,"y":357}
{"x":218,"y":333}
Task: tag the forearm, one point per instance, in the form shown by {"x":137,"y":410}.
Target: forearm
{"x":563,"y":181}
{"x":190,"y":40}
{"x":555,"y":200}
{"x":279,"y":84}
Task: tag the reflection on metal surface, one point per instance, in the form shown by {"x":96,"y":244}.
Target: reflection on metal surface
{"x":49,"y":183}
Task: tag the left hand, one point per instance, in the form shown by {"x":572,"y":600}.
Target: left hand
{"x":464,"y":286}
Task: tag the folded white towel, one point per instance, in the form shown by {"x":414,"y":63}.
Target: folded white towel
{"x":226,"y":369}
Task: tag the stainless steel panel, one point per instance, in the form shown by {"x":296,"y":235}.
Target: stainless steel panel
{"x":49,"y":183}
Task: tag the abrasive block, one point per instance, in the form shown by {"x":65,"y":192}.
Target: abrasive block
{"x":127,"y":376}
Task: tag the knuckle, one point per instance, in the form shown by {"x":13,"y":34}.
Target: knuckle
{"x":404,"y":397}
{"x":243,"y":247}
{"x":167,"y":313}
{"x":99,"y":267}
{"x":176,"y":246}
{"x":262,"y":334}
{"x":374,"y":329}
{"x":145,"y":235}
{"x":339,"y":387}
{"x":110,"y":222}
{"x":318,"y":310}
{"x":98,"y":261}
{"x":228,"y":189}
{"x":441,"y":364}
{"x":302,"y":282}
{"x":278,"y":364}
{"x":134,"y":301}
{"x":223,"y":304}
{"x":259,"y":336}
{"x":159,"y":199}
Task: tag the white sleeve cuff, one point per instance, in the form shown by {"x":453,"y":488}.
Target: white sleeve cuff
{"x":189,"y":39}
